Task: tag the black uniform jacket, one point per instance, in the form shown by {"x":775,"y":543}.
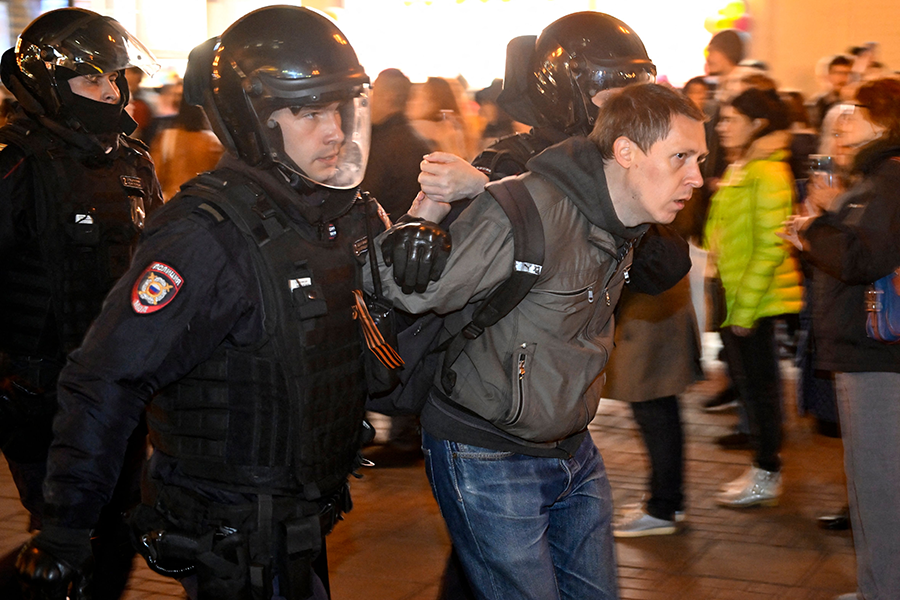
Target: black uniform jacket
{"x":191,"y":288}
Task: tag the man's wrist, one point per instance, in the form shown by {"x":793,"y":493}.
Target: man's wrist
{"x":427,"y":209}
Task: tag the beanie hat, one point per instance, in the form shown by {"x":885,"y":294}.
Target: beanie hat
{"x":729,"y":43}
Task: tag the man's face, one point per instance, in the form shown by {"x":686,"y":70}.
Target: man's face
{"x":838,"y":76}
{"x":312,"y":138}
{"x":717,"y":64}
{"x":100,"y":88}
{"x":663,"y":179}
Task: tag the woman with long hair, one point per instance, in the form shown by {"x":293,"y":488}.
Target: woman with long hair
{"x":760,"y":278}
{"x":852,"y":238}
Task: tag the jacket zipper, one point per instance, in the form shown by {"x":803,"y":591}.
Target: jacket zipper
{"x":523,"y":359}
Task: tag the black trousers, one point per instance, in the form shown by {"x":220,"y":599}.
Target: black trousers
{"x":659,"y":421}
{"x":753,"y":360}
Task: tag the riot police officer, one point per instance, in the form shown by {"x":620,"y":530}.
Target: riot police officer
{"x":74,"y":191}
{"x":234,"y":327}
{"x":554,"y":82}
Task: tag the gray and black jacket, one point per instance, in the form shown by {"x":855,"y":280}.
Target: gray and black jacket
{"x":532,"y":382}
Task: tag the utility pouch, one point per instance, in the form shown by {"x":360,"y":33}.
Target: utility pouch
{"x":82,"y":228}
{"x":377,"y":322}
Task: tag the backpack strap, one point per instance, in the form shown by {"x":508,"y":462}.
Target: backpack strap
{"x":528,"y":256}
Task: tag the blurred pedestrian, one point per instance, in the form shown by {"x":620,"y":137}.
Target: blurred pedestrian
{"x":852,"y":237}
{"x":760,"y":278}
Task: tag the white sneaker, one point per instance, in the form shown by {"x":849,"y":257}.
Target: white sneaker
{"x":638,"y":523}
{"x":756,"y":487}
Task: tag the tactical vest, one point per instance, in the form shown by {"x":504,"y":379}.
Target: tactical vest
{"x":89,"y":212}
{"x":508,"y":155}
{"x":284,"y":416}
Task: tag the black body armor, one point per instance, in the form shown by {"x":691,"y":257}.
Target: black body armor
{"x":88,"y":209}
{"x":285,"y":415}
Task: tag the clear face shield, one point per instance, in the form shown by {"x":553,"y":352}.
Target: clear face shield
{"x":327,"y":142}
{"x":356,"y":126}
{"x":94,"y":46}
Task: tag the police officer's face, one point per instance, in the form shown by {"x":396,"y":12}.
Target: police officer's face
{"x":312,"y":137}
{"x":100,"y":88}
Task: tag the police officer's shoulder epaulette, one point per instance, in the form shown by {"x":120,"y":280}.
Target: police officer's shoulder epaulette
{"x":211,"y":210}
{"x":136,"y":143}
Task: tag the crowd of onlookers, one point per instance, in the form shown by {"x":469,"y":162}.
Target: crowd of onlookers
{"x":785,"y":254}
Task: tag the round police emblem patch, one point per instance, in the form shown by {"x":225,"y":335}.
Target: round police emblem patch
{"x":155,"y":288}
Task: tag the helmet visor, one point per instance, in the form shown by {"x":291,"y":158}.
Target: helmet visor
{"x":356,"y":126}
{"x":593,"y":78}
{"x":92,"y":46}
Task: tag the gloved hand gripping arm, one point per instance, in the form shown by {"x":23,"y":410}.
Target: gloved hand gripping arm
{"x":418,"y":250}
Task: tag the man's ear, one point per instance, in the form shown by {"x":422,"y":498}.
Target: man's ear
{"x":624,"y":151}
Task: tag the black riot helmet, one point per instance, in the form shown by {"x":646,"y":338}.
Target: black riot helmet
{"x":281,"y":57}
{"x":66,"y":43}
{"x":574,"y":58}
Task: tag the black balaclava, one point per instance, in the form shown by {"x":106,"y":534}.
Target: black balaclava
{"x":96,"y":117}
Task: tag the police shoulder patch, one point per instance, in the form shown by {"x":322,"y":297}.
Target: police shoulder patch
{"x":156,"y":287}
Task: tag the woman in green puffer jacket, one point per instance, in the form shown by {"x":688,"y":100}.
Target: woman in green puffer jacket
{"x":760,"y":277}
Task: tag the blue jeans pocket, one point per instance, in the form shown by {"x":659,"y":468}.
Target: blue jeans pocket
{"x":470,"y":452}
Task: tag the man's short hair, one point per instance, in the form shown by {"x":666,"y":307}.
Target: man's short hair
{"x":840,"y":61}
{"x":394,"y":82}
{"x":730,"y":43}
{"x":642,"y":113}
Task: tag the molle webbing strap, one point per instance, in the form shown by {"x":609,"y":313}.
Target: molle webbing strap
{"x":528,"y":256}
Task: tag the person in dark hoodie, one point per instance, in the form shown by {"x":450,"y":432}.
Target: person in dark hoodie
{"x":519,"y":481}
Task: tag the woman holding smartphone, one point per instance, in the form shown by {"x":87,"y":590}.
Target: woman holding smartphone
{"x":852,"y":238}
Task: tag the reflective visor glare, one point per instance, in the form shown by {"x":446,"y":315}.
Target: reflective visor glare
{"x":87,"y":52}
{"x":605,"y":79}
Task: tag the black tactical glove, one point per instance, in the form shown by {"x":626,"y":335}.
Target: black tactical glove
{"x":418,"y":250}
{"x":47,"y":565}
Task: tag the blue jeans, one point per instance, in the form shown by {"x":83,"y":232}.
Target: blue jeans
{"x":527,"y":527}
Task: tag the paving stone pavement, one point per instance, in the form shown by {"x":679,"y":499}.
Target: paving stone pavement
{"x":392,"y":546}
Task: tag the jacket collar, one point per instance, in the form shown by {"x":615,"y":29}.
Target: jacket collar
{"x":575,"y":166}
{"x":772,"y":146}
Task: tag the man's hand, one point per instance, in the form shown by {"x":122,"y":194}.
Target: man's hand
{"x":418,"y":251}
{"x":47,"y":565}
{"x":446,"y":177}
